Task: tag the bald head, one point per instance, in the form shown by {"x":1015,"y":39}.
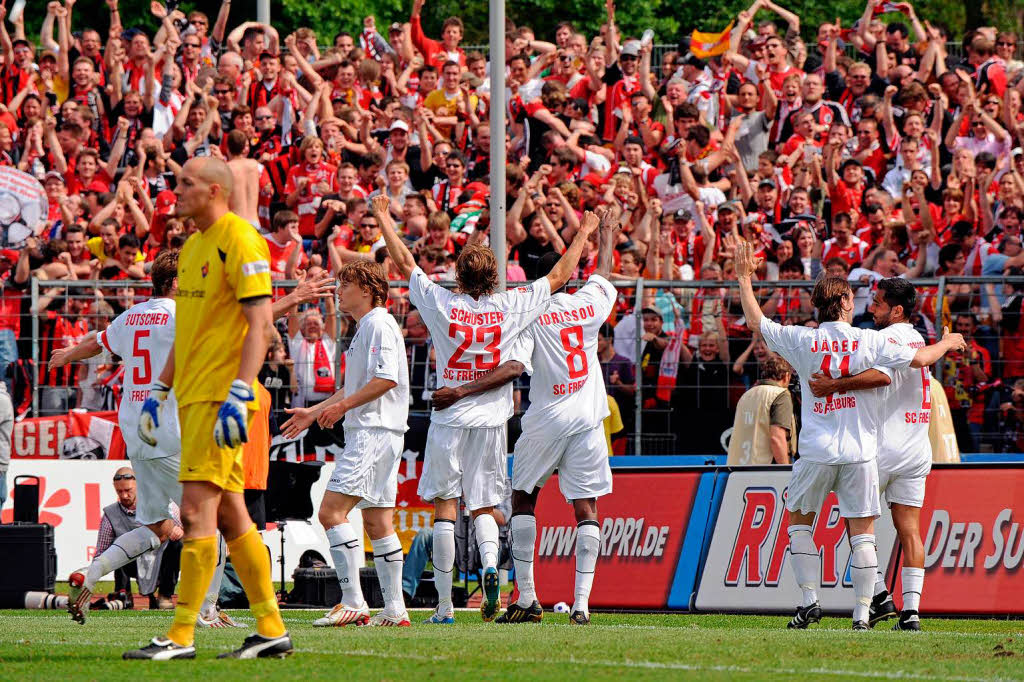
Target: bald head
{"x":214,"y":171}
{"x":124,"y":470}
{"x":204,"y":190}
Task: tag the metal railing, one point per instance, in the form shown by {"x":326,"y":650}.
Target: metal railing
{"x":688,"y":413}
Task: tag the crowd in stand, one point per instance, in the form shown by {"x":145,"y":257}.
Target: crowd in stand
{"x":870,"y":151}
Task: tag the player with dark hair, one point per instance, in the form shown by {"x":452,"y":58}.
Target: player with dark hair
{"x":838,"y":437}
{"x":904,"y":450}
{"x":472,"y":331}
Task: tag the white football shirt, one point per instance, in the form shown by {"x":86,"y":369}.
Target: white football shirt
{"x":567,"y":393}
{"x":841,"y":428}
{"x":903,"y":444}
{"x":142,"y":336}
{"x":378,"y":350}
{"x":471,"y":337}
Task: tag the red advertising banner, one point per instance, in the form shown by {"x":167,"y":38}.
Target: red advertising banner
{"x":973,"y":541}
{"x":643,"y":523}
{"x":76,"y":435}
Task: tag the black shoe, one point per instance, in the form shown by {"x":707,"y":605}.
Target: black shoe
{"x":882,"y":607}
{"x":160,"y":649}
{"x":579,"y":618}
{"x":908,"y":620}
{"x":805,"y":615}
{"x":859,"y":625}
{"x":258,"y":646}
{"x":517,"y":614}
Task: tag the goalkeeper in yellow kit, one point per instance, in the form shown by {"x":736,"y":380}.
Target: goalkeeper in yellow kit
{"x":224,"y":322}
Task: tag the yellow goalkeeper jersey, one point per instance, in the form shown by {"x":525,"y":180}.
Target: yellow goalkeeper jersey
{"x":217,"y":271}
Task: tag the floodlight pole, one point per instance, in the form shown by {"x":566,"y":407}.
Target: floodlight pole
{"x":263,"y":11}
{"x":497,"y":152}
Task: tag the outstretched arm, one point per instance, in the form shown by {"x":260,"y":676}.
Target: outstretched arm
{"x":822,"y":385}
{"x":399,"y":252}
{"x":86,"y":348}
{"x":929,"y":355}
{"x":563,"y":269}
{"x":499,"y":376}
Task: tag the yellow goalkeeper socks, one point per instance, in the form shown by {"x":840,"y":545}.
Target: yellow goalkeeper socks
{"x":252,"y":563}
{"x":198,"y":562}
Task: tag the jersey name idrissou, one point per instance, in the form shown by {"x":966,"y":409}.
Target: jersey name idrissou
{"x":142,"y":336}
{"x":841,"y":428}
{"x":471,"y":337}
{"x":567,"y":392}
{"x":903,"y":445}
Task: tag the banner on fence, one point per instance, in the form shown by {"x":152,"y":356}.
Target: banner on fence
{"x":75,"y":435}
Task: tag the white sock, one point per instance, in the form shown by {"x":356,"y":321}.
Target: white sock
{"x":388,"y":559}
{"x":588,"y":545}
{"x":863,"y":566}
{"x":444,"y":563}
{"x":913,"y":583}
{"x":523,"y":531}
{"x":124,"y":550}
{"x":806,"y":562}
{"x":345,"y":549}
{"x":487,"y":539}
{"x":879,"y":583}
{"x":209,"y":608}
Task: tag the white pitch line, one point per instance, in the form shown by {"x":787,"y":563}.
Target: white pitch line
{"x":646,"y":665}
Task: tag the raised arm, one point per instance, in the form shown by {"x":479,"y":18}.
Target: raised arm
{"x":399,"y":252}
{"x":745,"y":266}
{"x":610,"y":228}
{"x":565,"y":266}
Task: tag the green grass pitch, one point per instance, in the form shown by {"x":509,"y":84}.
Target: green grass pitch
{"x":46,"y":645}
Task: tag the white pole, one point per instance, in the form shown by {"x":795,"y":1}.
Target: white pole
{"x":497,"y":40}
{"x":263,"y":11}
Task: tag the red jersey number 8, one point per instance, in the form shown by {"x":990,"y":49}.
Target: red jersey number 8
{"x":572,"y":342}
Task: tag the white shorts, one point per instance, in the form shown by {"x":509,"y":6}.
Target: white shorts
{"x":368,"y":466}
{"x":466,"y":463}
{"x":902,"y":489}
{"x":157,"y":485}
{"x":856,"y":486}
{"x":581,"y":460}
{"x":903,"y":482}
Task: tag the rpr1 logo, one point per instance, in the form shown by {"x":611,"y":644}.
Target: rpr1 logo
{"x":758,"y":553}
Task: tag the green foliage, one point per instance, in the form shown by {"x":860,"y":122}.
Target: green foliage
{"x":669,"y":19}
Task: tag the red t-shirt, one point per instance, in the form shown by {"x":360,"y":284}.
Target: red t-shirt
{"x":306,"y":208}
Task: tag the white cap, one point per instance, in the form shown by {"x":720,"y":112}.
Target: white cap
{"x":399,"y":124}
{"x":631,"y":48}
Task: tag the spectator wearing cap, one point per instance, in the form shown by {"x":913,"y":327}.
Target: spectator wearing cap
{"x":846,"y":183}
{"x":622,"y":80}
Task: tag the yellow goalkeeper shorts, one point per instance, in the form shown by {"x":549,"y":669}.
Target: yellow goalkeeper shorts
{"x":201,"y":459}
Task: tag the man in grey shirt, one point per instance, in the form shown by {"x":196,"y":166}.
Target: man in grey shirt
{"x":750,"y":127}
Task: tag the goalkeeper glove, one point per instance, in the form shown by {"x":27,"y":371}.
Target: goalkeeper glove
{"x":230,"y":429}
{"x":149,"y":420}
